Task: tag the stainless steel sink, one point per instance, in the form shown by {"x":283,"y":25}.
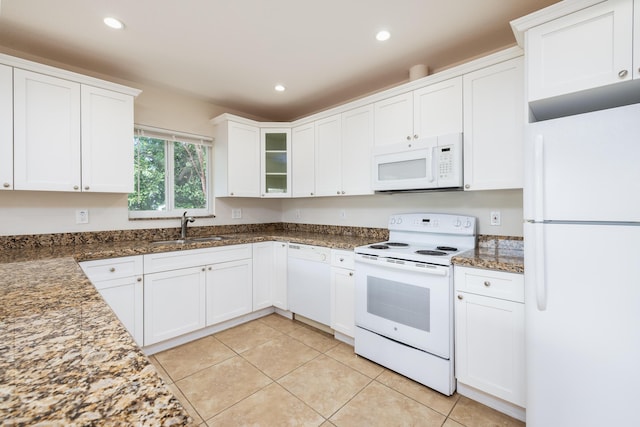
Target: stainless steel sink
{"x":189,"y":240}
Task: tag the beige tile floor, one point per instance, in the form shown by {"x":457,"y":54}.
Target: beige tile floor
{"x":278,"y":372}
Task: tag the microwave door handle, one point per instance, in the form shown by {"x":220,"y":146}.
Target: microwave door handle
{"x":433,"y":164}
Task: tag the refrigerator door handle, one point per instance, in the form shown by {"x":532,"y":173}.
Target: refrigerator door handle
{"x":540,"y":267}
{"x":538,"y":178}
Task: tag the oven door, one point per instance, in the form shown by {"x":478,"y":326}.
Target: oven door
{"x":405,"y":301}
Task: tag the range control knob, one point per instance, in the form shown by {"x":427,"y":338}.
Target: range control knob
{"x":457,"y":222}
{"x":467,"y":224}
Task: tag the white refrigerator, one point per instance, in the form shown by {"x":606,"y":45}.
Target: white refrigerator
{"x":582,"y":269}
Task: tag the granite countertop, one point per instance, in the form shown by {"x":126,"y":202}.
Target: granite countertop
{"x":494,"y":253}
{"x":65,"y":359}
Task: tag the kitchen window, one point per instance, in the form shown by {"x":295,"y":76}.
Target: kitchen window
{"x":172,"y":174}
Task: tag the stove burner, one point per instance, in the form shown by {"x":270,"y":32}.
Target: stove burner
{"x":428,"y":252}
{"x":447,"y":248}
{"x":379,"y":247}
{"x":397,"y":244}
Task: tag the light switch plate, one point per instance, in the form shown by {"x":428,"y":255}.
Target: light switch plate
{"x":496,"y":218}
{"x":82,"y":216}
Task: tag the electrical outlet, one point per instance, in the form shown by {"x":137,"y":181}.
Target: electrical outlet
{"x":495,"y":218}
{"x":236,"y":213}
{"x":82,"y":216}
{"x":297,"y":214}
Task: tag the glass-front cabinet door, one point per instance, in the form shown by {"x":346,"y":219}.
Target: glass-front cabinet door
{"x":276,"y":162}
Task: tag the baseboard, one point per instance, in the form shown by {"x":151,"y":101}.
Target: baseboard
{"x":496,"y":403}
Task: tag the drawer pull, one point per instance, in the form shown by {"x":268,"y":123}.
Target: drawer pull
{"x":351,"y":273}
{"x":487,"y":283}
{"x":460,"y":296}
{"x":139,"y":279}
{"x":622,"y":74}
{"x":341,"y":259}
{"x":112,"y":269}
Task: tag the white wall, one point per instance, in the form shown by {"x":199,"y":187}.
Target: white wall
{"x":374,"y":211}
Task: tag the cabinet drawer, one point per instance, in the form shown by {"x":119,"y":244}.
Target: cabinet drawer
{"x":166,"y":261}
{"x":344,"y":259}
{"x":113,"y":268}
{"x":496,"y":284}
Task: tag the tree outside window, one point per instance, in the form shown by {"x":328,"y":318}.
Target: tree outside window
{"x":171,"y":176}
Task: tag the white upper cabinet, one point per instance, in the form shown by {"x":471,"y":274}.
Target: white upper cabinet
{"x":586,"y":54}
{"x":437,"y":109}
{"x":494,"y":112}
{"x":343,"y":153}
{"x":328,"y":146}
{"x":275,"y":162}
{"x":303,"y":160}
{"x":6,"y":127}
{"x":636,"y":39}
{"x":70,"y":136}
{"x":46,"y":133}
{"x":357,"y":143}
{"x":237,"y":159}
{"x":394,"y":120}
{"x":429,"y":111}
{"x":107,"y":135}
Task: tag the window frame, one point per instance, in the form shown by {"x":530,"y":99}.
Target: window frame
{"x":170,"y":137}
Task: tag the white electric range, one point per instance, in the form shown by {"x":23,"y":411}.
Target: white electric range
{"x":404,"y":296}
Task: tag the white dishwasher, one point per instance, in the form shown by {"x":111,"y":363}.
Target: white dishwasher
{"x":308,"y":282}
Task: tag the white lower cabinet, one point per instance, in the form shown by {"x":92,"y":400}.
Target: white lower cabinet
{"x":269,"y":275}
{"x":228,"y":290}
{"x":120,"y":282}
{"x":343,"y":292}
{"x":489,"y":331}
{"x":189,"y":290}
{"x":174,"y":303}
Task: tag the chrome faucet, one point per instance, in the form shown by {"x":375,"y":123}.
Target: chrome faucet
{"x":183,"y":224}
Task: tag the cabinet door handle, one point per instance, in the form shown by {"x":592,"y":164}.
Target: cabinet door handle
{"x":75,"y":187}
{"x":622,"y":74}
{"x":6,"y":185}
{"x":415,"y":136}
{"x":487,"y":283}
{"x":139,"y":279}
{"x":112,"y":269}
{"x":467,"y":186}
{"x":86,"y":187}
{"x":460,"y":296}
{"x":341,"y":259}
{"x":209,"y":268}
{"x":351,"y":273}
{"x":408,"y":137}
{"x":203,"y":269}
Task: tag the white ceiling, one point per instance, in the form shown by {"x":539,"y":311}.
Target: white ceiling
{"x":233,"y":52}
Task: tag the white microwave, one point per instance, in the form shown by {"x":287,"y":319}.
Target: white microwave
{"x":429,"y":163}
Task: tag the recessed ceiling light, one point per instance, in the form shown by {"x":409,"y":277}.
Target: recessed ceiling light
{"x":113,"y":23}
{"x":383,"y":35}
{"x":279,"y":88}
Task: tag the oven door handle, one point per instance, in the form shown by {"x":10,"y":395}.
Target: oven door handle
{"x":420,"y":267}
